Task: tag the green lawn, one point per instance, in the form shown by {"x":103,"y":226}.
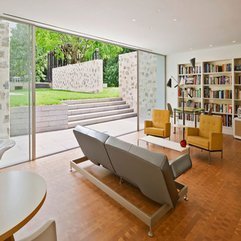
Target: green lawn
{"x":53,"y":97}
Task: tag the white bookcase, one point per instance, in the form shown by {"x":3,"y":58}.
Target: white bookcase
{"x":213,"y":84}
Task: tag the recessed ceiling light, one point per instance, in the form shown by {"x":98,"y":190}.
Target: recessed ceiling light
{"x":190,"y":48}
{"x":133,"y":20}
{"x":158,"y":10}
{"x":234,"y":41}
{"x":210,"y":45}
{"x":174,"y":19}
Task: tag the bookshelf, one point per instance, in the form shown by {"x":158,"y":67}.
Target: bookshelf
{"x":213,"y":84}
{"x":237,"y":86}
{"x":217,"y":89}
{"x":190,"y":81}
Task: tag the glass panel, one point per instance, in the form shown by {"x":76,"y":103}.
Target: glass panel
{"x":15,"y":79}
{"x":151,"y":72}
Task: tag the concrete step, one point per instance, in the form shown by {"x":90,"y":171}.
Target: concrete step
{"x":98,"y":114}
{"x":72,"y":124}
{"x":95,"y":104}
{"x":85,"y":101}
{"x":96,"y":109}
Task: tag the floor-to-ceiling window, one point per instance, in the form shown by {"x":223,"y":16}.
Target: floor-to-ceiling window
{"x":151,"y":84}
{"x":16,"y":68}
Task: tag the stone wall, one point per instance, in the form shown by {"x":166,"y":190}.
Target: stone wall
{"x":4,"y":80}
{"x":147,"y":84}
{"x":48,"y":118}
{"x":82,"y":77}
{"x":128,"y":78}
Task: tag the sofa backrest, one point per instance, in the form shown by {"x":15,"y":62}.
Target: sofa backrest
{"x":92,"y":143}
{"x":160,"y":117}
{"x":208,"y":124}
{"x":149,"y":171}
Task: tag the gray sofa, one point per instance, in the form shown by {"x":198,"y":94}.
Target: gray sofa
{"x":149,"y":171}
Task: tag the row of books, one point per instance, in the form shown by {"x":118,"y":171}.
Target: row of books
{"x":237,"y":67}
{"x":217,"y":80}
{"x":189,"y":69}
{"x":193,"y":92}
{"x":188,"y":117}
{"x":238,"y":80}
{"x":221,"y":108}
{"x":237,"y":94}
{"x":209,"y":68}
{"x":219,"y":94}
{"x":227,"y":120}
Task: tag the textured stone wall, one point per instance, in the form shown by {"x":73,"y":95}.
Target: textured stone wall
{"x":82,"y":77}
{"x":128,"y":78}
{"x":147,"y":84}
{"x":4,"y":80}
{"x":48,"y":118}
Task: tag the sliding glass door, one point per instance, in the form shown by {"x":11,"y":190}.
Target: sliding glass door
{"x":151,"y":85}
{"x":16,"y":78}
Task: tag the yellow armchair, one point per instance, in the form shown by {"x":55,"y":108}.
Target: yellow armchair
{"x":208,"y":136}
{"x":159,"y":125}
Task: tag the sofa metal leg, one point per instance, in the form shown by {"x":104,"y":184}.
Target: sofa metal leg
{"x":121,"y":180}
{"x":150,"y":233}
{"x":209,"y":157}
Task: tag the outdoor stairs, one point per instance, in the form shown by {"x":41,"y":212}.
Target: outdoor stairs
{"x":93,"y":111}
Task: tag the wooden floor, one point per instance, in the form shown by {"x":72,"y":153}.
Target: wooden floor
{"x":83,"y":212}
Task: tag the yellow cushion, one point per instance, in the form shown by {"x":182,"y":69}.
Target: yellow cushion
{"x":154,"y":131}
{"x":208,"y":124}
{"x":198,"y":141}
{"x":160,"y":117}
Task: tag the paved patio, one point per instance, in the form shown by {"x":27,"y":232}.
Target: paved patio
{"x":57,"y":141}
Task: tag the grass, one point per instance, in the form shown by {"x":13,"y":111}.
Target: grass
{"x":54,"y":97}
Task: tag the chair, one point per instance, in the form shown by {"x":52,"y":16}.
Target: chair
{"x":208,"y":136}
{"x":159,"y":125}
{"x":5,"y":144}
{"x":45,"y":233}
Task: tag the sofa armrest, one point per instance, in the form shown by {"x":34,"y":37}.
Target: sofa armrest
{"x":148,"y":123}
{"x":216,"y":141}
{"x":180,"y":165}
{"x":191,"y":131}
{"x":167,"y":129}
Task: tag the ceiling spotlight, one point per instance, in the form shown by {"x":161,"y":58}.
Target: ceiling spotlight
{"x":133,"y":20}
{"x":234,"y":41}
{"x":174,"y":19}
{"x":210,"y":45}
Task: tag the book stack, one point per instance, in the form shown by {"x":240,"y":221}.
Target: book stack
{"x":209,"y":68}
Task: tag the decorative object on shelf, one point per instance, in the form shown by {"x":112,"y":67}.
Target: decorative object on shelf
{"x":239,"y":112}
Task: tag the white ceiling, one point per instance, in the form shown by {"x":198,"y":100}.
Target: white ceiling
{"x":198,"y":23}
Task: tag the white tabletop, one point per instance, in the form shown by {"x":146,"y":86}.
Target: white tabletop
{"x":164,"y":143}
{"x":21,"y":196}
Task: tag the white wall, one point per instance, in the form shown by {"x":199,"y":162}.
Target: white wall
{"x":228,"y":52}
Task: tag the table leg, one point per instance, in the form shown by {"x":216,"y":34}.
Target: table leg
{"x":10,"y":239}
{"x":174,"y":122}
{"x":195,"y":120}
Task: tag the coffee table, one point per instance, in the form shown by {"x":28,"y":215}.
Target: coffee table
{"x":165,"y":143}
{"x":22,"y":194}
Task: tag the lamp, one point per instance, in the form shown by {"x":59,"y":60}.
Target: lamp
{"x":183,"y":142}
{"x":192,"y":61}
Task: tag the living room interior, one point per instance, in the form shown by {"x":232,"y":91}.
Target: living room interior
{"x":189,"y":155}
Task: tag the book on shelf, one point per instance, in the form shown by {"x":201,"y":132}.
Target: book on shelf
{"x":189,"y":69}
{"x":217,"y":80}
{"x":209,"y":68}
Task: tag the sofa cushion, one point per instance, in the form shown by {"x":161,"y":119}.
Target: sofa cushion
{"x":154,"y":131}
{"x":92,"y":143}
{"x":198,"y":141}
{"x":148,"y":170}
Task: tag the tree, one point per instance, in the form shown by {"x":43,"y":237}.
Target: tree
{"x":74,"y":49}
{"x":20,"y":51}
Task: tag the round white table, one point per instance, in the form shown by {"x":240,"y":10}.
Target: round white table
{"x":22,"y":194}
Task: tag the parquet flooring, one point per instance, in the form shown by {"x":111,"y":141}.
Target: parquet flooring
{"x":83,"y":212}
